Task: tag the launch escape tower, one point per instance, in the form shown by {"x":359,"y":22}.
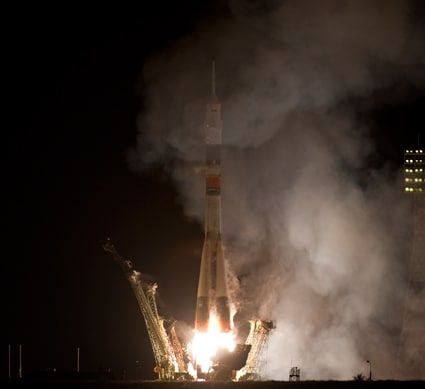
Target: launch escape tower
{"x":411,"y":350}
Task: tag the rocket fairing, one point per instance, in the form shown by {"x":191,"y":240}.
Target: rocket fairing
{"x":212,"y":297}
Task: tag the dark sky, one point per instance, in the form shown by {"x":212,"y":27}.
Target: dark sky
{"x":72,"y":78}
{"x":72,"y":107}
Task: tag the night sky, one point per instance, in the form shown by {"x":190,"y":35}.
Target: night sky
{"x":74,"y":93}
{"x":73,"y":104}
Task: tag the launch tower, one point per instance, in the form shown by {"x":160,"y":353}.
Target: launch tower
{"x":167,"y":349}
{"x":411,"y":353}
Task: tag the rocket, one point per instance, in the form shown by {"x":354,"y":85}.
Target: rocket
{"x":212,"y":297}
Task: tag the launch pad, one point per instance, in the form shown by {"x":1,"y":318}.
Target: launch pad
{"x":173,"y":361}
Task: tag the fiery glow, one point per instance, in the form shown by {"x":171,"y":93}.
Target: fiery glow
{"x":206,"y":344}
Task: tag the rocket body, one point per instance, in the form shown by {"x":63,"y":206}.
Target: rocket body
{"x":212,"y":297}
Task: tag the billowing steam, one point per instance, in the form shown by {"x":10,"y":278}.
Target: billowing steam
{"x":316,"y":237}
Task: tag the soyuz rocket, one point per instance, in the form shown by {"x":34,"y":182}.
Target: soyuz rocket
{"x":212,"y":297}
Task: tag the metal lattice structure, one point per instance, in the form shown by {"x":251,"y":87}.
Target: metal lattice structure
{"x":258,"y":339}
{"x":168,"y":353}
{"x":170,"y":327}
{"x":411,"y":352}
{"x":294,"y":373}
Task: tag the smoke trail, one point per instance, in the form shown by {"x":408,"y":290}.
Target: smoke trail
{"x":305,"y":218}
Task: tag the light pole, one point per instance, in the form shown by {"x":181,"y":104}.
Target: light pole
{"x":370,"y":370}
{"x":78,"y":359}
{"x":138,"y":370}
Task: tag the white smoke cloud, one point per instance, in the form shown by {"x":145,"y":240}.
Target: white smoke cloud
{"x":315,"y":236}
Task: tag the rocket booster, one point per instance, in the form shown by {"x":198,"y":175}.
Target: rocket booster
{"x":212,"y":298}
